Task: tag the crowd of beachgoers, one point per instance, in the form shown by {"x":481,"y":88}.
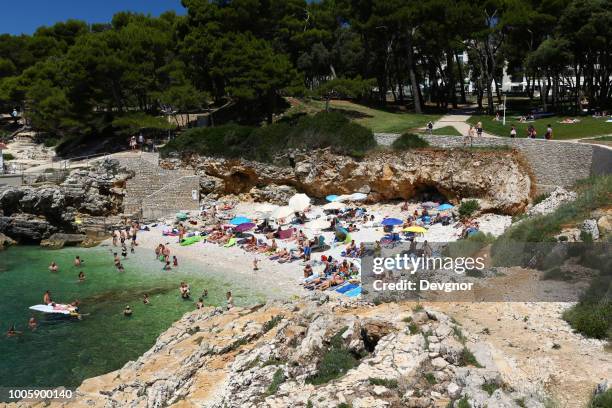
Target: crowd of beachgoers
{"x":323,"y":242}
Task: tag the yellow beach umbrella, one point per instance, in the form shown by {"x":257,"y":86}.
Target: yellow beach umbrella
{"x":415,"y":228}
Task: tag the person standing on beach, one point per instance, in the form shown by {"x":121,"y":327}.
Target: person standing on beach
{"x":141,"y":141}
{"x":255,"y":264}
{"x":133,"y":143}
{"x":513,"y":132}
{"x":430,"y":128}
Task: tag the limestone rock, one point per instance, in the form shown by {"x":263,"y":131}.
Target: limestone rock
{"x":6,"y":241}
{"x":590,"y":227}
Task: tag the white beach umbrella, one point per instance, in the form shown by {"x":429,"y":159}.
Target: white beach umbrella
{"x":299,"y":202}
{"x":282,"y":212}
{"x":343,"y":197}
{"x":334,"y":205}
{"x":318,"y":224}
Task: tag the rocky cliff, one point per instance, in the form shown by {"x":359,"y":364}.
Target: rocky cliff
{"x":312,"y":353}
{"x":498,"y":178}
{"x":34,"y":213}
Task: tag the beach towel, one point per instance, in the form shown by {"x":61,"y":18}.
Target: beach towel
{"x":346,"y":287}
{"x":285,"y":234}
{"x":353,"y":292}
{"x":230,"y":243}
{"x":191,"y":240}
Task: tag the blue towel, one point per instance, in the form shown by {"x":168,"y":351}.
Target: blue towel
{"x":354,"y":292}
{"x":346,"y":288}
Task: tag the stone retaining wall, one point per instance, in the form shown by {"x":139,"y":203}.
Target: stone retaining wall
{"x":554,"y":163}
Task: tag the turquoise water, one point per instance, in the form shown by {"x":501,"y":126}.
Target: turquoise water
{"x":66,"y":352}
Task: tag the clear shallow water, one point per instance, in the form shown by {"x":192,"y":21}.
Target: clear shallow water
{"x":66,"y":352}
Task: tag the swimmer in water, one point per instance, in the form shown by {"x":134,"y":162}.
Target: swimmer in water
{"x":81,"y":276}
{"x":205,"y":293}
{"x":53,"y":267}
{"x":145,"y":299}
{"x":127,"y":312}
{"x":124,"y":251}
{"x":47,"y":298}
{"x":78,"y":261}
{"x":116,"y":260}
{"x":32,"y":323}
{"x":200,"y":303}
{"x":12,"y":332}
{"x":120,"y":268}
{"x":167,"y":266}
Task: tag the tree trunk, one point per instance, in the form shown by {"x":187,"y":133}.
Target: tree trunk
{"x":451,"y":85}
{"x":460,"y":71}
{"x":416,"y":95}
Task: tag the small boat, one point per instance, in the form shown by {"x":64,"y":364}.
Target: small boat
{"x":57,"y":309}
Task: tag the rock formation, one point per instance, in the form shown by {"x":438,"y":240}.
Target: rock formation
{"x":31,"y":213}
{"x":311,"y":353}
{"x":497,"y":178}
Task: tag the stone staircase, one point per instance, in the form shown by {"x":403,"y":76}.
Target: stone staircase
{"x":154,"y":192}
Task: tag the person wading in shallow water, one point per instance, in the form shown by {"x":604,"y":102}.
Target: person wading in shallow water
{"x":127,"y":312}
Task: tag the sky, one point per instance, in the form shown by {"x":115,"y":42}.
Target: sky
{"x":25,"y":16}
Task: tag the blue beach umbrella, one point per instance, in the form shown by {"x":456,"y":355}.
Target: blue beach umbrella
{"x":239,"y":220}
{"x":331,"y":197}
{"x":392,"y":221}
{"x":445,"y":207}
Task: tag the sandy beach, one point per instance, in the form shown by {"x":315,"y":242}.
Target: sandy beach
{"x":283,"y":280}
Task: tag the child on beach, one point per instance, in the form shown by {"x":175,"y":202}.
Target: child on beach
{"x":174,"y":261}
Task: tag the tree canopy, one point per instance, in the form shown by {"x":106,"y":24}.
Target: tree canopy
{"x":78,"y":78}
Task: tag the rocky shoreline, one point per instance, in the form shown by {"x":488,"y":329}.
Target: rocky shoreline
{"x":314,"y":352}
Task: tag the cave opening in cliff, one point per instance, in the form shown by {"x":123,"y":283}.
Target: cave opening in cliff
{"x":429,"y":192}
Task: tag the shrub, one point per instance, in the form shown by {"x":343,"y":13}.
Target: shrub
{"x":591,"y":318}
{"x":263,"y":144}
{"x":7,"y":156}
{"x":277,"y":380}
{"x":336,"y":361}
{"x":603,"y":400}
{"x":270,"y":324}
{"x":51,"y":141}
{"x":467,"y":358}
{"x":468,"y":207}
{"x":463,"y":403}
{"x":385,"y":382}
{"x":489,"y":387}
{"x":413,"y":328}
{"x":409,"y":141}
{"x":430,"y":378}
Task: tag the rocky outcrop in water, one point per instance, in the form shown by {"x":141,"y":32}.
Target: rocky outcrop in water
{"x":312,"y":353}
{"x":498,"y":178}
{"x":34,"y":213}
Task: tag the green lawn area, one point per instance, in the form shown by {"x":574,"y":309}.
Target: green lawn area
{"x":587,"y":127}
{"x":446,"y":131}
{"x":378,"y":120}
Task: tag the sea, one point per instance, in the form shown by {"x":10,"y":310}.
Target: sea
{"x":64,"y":352}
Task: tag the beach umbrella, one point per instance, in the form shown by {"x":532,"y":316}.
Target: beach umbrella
{"x":445,"y":207}
{"x":416,"y":229}
{"x":358,"y":196}
{"x":392,"y":221}
{"x":334,"y":205}
{"x":282,"y":212}
{"x":181,"y":216}
{"x":244,"y":227}
{"x":299,"y":202}
{"x":239,"y":220}
{"x":331,"y":197}
{"x":319,"y":223}
{"x":344,"y":197}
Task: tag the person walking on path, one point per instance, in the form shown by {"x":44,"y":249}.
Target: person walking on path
{"x":479,"y":129}
{"x":141,"y":141}
{"x":133,"y":143}
{"x":549,"y":132}
{"x":430,"y":128}
{"x":513,"y":132}
{"x":469,"y":138}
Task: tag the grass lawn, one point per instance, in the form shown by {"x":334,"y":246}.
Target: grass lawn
{"x":446,"y":131}
{"x":587,"y":127}
{"x":378,"y":120}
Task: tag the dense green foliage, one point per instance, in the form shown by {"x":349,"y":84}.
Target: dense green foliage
{"x":76,"y":79}
{"x":468,"y":207}
{"x":336,"y":361}
{"x":263,"y":143}
{"x":409,"y":141}
{"x":603,"y":400}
